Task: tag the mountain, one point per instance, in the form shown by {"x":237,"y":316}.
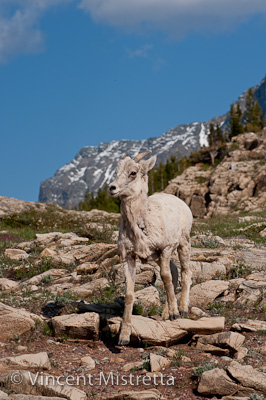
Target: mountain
{"x":94,"y":166}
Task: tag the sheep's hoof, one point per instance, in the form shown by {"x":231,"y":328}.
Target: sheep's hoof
{"x":173,"y":317}
{"x":183,"y":314}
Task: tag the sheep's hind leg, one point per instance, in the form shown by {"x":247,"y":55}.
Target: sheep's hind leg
{"x":130,"y":272}
{"x":174,"y":273}
{"x":171,"y":306}
{"x":184,"y":257}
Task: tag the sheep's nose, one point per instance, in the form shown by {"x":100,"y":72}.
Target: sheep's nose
{"x":112,"y":187}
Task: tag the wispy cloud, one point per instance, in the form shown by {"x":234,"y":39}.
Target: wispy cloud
{"x":20,"y":19}
{"x":140,"y":52}
{"x":176,"y":17}
{"x":19,"y":26}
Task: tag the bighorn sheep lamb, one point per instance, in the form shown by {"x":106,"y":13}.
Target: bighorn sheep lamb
{"x":151,"y":227}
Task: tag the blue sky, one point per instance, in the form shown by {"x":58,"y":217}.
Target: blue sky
{"x":78,"y":72}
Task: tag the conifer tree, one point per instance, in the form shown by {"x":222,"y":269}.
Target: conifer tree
{"x":212,"y":138}
{"x":253,"y":114}
{"x":235,"y":121}
{"x":219,"y":134}
{"x":102,"y":201}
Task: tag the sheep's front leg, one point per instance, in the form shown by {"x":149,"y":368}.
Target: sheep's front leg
{"x":168,"y":284}
{"x":184,"y":257}
{"x":130,"y":272}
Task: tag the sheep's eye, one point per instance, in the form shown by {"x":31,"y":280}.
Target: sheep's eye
{"x":133,"y":173}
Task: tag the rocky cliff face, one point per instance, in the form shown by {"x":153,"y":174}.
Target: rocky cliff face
{"x":237,"y":183}
{"x":94,"y":166}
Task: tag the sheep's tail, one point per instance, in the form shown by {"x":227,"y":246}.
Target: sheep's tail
{"x":174,"y":272}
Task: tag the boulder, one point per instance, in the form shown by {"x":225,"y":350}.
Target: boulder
{"x":248,"y":376}
{"x":223,"y":343}
{"x":158,"y":362}
{"x":148,"y":297}
{"x":132,"y":365}
{"x":48,"y":253}
{"x":87,"y":268}
{"x":241,"y":353}
{"x":202,"y":271}
{"x":7,"y":284}
{"x":88,"y":362}
{"x":15,"y":322}
{"x":79,"y":326}
{"x":198,"y":312}
{"x":206,"y":292}
{"x":216,"y":382}
{"x":88,"y":288}
{"x":16,"y":254}
{"x":53,"y":272}
{"x":36,"y":361}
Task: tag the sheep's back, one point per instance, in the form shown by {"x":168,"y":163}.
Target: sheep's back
{"x":169,"y":217}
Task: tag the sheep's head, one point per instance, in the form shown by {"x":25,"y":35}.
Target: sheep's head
{"x":131,"y":176}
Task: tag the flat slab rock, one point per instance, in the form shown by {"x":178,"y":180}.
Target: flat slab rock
{"x":204,"y":293}
{"x":54,"y":272}
{"x":40,"y":386}
{"x":250,"y":326}
{"x":151,"y":394}
{"x":227,"y":343}
{"x":79,"y":326}
{"x":248,"y":376}
{"x":36,"y":361}
{"x":89,"y":288}
{"x":154,"y":332}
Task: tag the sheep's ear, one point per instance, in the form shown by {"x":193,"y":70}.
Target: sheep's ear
{"x":148,"y":164}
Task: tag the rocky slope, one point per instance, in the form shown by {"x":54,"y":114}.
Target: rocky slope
{"x":61,"y":301}
{"x":94,"y":166}
{"x":238,"y":183}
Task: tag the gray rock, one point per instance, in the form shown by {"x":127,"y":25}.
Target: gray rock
{"x":248,"y":376}
{"x":223,"y":343}
{"x":216,"y":382}
{"x":15,"y":322}
{"x":148,"y":296}
{"x":158,"y":362}
{"x":204,"y":293}
{"x":16,"y":254}
{"x":89,"y":288}
{"x":80,"y":326}
{"x":250,"y":326}
{"x":36,"y":361}
{"x":3,"y":395}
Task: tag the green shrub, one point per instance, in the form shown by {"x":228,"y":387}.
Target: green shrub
{"x":202,"y":368}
